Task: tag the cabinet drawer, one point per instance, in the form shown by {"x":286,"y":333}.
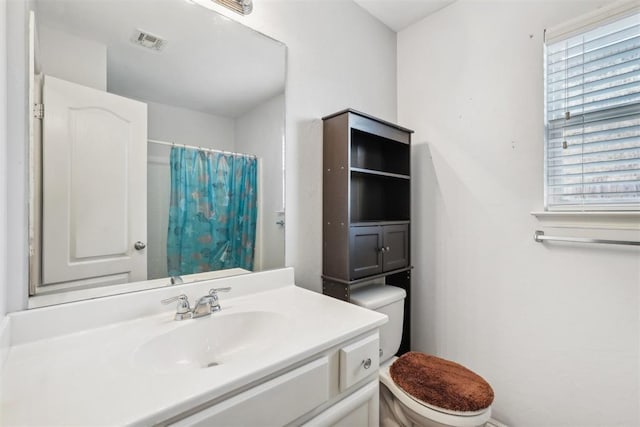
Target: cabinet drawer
{"x":276,"y":402}
{"x":358,"y":361}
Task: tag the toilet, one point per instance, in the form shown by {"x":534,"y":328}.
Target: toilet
{"x":397,"y":407}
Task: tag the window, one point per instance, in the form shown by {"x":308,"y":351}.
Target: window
{"x":592,"y":117}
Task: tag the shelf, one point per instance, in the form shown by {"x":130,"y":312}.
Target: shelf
{"x":366,"y":279}
{"x":379,"y":198}
{"x":376,"y":153}
{"x":378,"y":222}
{"x":379,"y":173}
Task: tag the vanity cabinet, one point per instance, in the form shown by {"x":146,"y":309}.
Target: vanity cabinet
{"x":366,"y":205}
{"x":338,"y":387}
{"x":276,"y":355}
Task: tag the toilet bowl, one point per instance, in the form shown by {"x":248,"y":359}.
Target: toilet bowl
{"x":397,"y":407}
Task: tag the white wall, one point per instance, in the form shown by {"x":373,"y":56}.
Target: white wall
{"x":260,"y":132}
{"x":72,"y":58}
{"x":554,"y":328}
{"x":184,"y":126}
{"x":3,"y":158}
{"x":338,"y":56}
{"x":158,"y":199}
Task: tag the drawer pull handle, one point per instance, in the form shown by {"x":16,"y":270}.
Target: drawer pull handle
{"x":367,"y":363}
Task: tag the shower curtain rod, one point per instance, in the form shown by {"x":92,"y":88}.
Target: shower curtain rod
{"x":193,"y":147}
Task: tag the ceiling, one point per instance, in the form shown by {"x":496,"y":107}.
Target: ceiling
{"x":210,"y":63}
{"x":399,"y":14}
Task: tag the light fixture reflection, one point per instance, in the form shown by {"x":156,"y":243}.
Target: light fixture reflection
{"x":243,"y":7}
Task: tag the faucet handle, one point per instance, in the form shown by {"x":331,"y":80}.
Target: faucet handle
{"x":214,"y":291}
{"x":183,"y":303}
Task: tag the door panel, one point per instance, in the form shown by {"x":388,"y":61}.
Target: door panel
{"x":365,"y":254}
{"x":94,"y":184}
{"x":396,"y":243}
{"x":98,"y":150}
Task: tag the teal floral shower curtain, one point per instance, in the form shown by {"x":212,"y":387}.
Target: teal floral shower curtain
{"x":213,"y":211}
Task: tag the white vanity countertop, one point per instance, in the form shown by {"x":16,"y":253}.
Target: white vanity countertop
{"x":94,"y":376}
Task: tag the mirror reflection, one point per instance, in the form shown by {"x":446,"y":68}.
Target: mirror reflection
{"x":159,"y":156}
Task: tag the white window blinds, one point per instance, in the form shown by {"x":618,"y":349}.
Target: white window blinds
{"x":592,"y":117}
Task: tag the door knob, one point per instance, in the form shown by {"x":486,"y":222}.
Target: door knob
{"x":139,"y":245}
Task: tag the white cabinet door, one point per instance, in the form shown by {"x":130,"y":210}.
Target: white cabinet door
{"x":359,"y":409}
{"x":94,"y":185}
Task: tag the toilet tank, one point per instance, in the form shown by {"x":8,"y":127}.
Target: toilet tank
{"x":388,"y":300}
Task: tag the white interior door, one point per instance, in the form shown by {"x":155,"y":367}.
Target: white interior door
{"x":94,"y":186}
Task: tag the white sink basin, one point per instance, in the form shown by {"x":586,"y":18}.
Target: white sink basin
{"x":212,"y":341}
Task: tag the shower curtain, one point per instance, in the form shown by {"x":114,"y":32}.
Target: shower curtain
{"x":212,"y":213}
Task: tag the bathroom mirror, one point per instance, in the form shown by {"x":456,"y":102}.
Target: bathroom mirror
{"x":134,"y":94}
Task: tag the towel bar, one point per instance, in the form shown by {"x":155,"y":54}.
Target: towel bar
{"x":539,"y":236}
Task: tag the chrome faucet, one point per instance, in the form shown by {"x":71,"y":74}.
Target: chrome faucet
{"x":204,"y":307}
{"x":183,"y":309}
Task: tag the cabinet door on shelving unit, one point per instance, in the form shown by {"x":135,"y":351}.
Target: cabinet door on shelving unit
{"x":365,"y":251}
{"x":395,"y":241}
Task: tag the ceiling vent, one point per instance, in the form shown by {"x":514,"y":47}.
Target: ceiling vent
{"x":150,"y":41}
{"x":243,"y":7}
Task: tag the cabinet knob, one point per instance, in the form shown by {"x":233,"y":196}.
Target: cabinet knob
{"x":386,"y":248}
{"x":382,"y":249}
{"x":138,"y":246}
{"x":366,"y":363}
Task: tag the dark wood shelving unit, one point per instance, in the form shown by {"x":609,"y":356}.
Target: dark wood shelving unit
{"x":366,"y":205}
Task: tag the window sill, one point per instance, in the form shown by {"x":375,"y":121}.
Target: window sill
{"x":620,"y":220}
